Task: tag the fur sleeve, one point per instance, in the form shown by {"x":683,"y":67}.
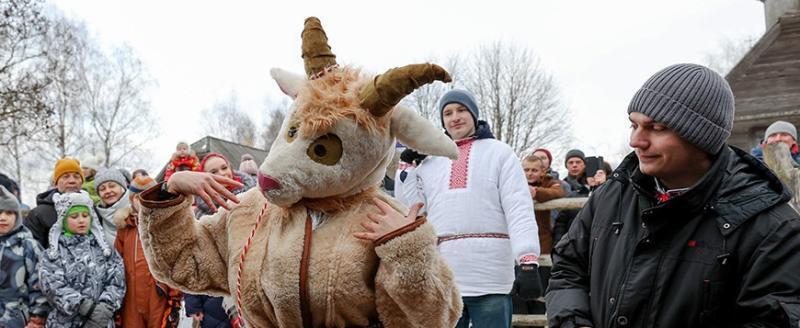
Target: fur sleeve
{"x":414,"y":286}
{"x":181,"y":251}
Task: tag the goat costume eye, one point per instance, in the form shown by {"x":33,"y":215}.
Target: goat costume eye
{"x":326,"y":149}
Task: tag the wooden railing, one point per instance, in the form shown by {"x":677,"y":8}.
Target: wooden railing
{"x":561,"y":204}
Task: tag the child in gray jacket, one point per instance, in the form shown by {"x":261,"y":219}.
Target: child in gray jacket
{"x":82,"y":277}
{"x":22,"y":300}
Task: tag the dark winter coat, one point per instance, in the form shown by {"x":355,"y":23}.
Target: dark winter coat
{"x":723,"y":254}
{"x":42,"y":217}
{"x":214,"y":315}
{"x":20,"y":295}
{"x":577,"y":188}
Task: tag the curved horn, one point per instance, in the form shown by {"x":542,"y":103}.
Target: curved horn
{"x":387,"y":89}
{"x":317,"y":54}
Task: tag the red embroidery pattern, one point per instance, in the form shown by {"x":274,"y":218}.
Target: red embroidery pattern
{"x":528,"y":258}
{"x":459,"y":170}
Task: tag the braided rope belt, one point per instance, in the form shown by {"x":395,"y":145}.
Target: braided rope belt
{"x":445,"y":238}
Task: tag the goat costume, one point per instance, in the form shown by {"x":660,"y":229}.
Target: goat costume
{"x":302,"y":266}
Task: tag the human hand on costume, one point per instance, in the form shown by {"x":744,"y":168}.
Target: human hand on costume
{"x":209,"y":187}
{"x":197,"y":316}
{"x":388,"y":220}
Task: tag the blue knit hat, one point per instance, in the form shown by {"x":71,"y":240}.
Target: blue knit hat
{"x":463,"y":97}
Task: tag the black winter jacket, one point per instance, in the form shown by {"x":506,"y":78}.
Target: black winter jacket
{"x":724,"y":254}
{"x":42,"y":217}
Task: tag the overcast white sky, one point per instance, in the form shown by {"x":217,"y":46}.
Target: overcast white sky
{"x":600,"y":52}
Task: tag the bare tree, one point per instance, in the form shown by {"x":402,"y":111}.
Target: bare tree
{"x":277,"y":114}
{"x":116,"y":100}
{"x":728,"y":54}
{"x":68,"y":46}
{"x":227,"y":121}
{"x":519,"y":98}
{"x":23,"y":70}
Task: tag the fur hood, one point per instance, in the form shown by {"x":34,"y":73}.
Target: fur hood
{"x":121,"y":217}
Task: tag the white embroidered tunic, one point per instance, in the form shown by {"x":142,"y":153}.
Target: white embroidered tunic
{"x":481,"y":210}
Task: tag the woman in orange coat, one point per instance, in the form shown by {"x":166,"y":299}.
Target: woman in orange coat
{"x":147,"y":303}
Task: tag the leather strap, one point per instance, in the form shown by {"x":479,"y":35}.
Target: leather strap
{"x":305,"y":306}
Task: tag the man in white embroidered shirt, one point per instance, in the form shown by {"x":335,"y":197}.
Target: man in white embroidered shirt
{"x":482,"y":212}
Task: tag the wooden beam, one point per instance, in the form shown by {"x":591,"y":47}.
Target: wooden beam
{"x":529,"y":320}
{"x":561,"y":204}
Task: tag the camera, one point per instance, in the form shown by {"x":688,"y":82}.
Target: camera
{"x":593,"y":164}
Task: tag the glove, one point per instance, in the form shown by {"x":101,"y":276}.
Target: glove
{"x":527,"y":285}
{"x":103,"y":314}
{"x":412,"y":157}
{"x":86,"y":307}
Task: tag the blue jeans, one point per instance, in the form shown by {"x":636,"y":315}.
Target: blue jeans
{"x":487,"y":311}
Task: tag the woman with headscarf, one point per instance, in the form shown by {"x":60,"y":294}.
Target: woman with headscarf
{"x":112,"y":187}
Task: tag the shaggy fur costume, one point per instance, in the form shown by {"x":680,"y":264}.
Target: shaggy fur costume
{"x":402,"y":283}
{"x":319,"y":180}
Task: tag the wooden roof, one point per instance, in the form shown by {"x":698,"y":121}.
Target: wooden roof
{"x":766,"y":82}
{"x":231,"y":150}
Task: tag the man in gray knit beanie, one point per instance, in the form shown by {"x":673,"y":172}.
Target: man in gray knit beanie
{"x":779,"y":131}
{"x":688,"y":232}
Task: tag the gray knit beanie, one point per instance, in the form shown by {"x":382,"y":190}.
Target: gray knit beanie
{"x":8,"y":202}
{"x":781,"y":126}
{"x":463,"y":97}
{"x":106,"y":175}
{"x":574,"y":153}
{"x":690,"y":99}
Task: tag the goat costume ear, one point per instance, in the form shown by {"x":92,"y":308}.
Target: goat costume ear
{"x":420,"y":134}
{"x":290,"y":83}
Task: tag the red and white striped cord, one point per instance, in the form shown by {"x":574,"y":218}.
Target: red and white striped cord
{"x":242,"y":257}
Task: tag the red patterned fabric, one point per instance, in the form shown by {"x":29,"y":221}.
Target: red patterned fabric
{"x":459,"y":170}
